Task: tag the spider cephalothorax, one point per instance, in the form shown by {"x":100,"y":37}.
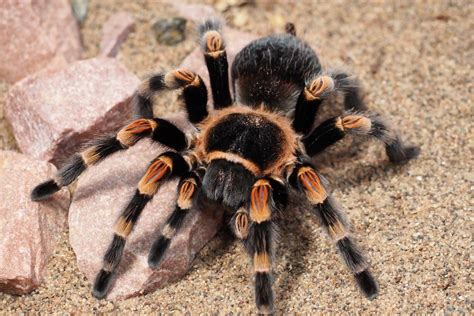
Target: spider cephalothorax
{"x":246,"y":152}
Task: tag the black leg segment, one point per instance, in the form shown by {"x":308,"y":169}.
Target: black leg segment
{"x":216,"y":61}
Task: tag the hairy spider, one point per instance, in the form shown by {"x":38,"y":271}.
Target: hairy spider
{"x":247,"y":153}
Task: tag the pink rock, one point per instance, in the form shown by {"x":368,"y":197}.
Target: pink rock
{"x":28,"y":230}
{"x":100,"y":197}
{"x":115,"y":32}
{"x":35,"y":34}
{"x":52,"y":113}
{"x":195,"y":12}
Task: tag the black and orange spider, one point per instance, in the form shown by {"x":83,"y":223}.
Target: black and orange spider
{"x":246,"y":153}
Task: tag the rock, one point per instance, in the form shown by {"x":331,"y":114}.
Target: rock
{"x":115,"y":32}
{"x":28,"y":230}
{"x":36,"y":34}
{"x":79,"y":9}
{"x":195,"y":12}
{"x":100,"y":196}
{"x":170,"y":31}
{"x":53,"y":112}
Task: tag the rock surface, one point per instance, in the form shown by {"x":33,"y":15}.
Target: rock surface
{"x":115,"y":32}
{"x":52,"y":113}
{"x":36,"y":34}
{"x":28,"y":230}
{"x":100,"y":197}
{"x":195,"y":12}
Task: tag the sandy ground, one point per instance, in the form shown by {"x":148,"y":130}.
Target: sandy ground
{"x":415,"y":222}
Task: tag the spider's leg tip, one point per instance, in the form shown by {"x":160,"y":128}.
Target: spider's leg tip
{"x":44,"y":190}
{"x":265,"y":310}
{"x":102,"y":284}
{"x":412,"y":152}
{"x":367,"y":284}
{"x":153,"y":262}
{"x":157,"y":251}
{"x":400,"y":154}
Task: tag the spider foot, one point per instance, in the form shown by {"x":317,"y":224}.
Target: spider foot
{"x":157,"y":251}
{"x":367,"y":284}
{"x":102,"y":284}
{"x":44,"y":190}
{"x":399,"y":153}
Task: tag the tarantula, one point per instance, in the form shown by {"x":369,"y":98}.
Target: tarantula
{"x":247,"y":153}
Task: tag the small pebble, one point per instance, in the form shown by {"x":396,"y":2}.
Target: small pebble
{"x":170,"y":31}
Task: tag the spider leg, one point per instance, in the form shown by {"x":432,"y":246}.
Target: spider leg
{"x":194,"y":93}
{"x":315,"y":92}
{"x":216,"y":60}
{"x":306,"y":179}
{"x":187,"y":189}
{"x":359,"y":125}
{"x":159,"y":130}
{"x":254,"y":224}
{"x":160,"y":169}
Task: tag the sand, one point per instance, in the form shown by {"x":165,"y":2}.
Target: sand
{"x":415,"y":222}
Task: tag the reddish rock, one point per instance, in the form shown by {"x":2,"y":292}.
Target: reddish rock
{"x":102,"y":193}
{"x":115,"y":32}
{"x":35,"y":34}
{"x":28,"y":230}
{"x":52,"y":113}
{"x":195,"y":12}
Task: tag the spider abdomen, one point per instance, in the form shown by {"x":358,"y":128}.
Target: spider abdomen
{"x":273,"y":70}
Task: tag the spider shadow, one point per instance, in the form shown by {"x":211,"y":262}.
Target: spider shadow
{"x":356,"y":174}
{"x":293,"y":245}
{"x":104,"y":184}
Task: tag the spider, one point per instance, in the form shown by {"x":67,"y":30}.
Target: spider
{"x":248,"y":151}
